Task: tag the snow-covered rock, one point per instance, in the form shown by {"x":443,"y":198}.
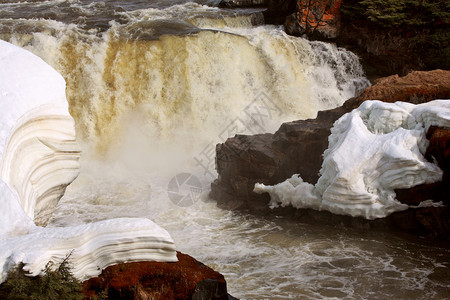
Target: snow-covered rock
{"x":38,"y":159}
{"x":92,"y":247}
{"x":373,"y":150}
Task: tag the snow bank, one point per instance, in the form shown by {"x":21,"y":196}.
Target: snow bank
{"x":38,"y":152}
{"x":38,"y":159}
{"x":372,"y":151}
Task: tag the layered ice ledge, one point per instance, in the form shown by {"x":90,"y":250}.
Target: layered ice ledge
{"x":38,"y":159}
{"x":373,"y":150}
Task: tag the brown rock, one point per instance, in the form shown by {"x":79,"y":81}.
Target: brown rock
{"x":185,"y":279}
{"x":416,"y":87}
{"x":297,"y":147}
{"x":439,"y":148}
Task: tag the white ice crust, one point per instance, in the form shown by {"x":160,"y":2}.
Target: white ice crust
{"x":38,"y":159}
{"x":373,"y":150}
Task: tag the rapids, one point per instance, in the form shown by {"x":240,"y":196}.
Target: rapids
{"x":154,"y":85}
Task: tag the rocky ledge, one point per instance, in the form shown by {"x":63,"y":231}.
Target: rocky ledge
{"x":185,"y":279}
{"x":297,"y":147}
{"x":391,"y":37}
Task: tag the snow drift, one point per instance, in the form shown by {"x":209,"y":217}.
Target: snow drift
{"x":373,"y":150}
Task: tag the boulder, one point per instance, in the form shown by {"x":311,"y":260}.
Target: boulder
{"x":372,"y":151}
{"x":278,"y":10}
{"x":297,"y":147}
{"x":417,"y":87}
{"x":185,"y":279}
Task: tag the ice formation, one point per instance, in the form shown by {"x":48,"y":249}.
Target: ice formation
{"x":38,"y":152}
{"x":373,"y":150}
{"x":38,"y":159}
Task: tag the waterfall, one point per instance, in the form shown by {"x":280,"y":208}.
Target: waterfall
{"x":184,"y":81}
{"x":153,"y":86}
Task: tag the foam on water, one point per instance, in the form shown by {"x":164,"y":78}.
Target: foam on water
{"x":275,"y":258}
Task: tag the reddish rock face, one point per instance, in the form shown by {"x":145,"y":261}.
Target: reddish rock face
{"x":185,"y":279}
{"x":416,"y":87}
{"x":317,"y":18}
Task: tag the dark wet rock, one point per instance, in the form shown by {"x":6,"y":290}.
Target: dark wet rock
{"x":438,"y":151}
{"x":185,"y":279}
{"x":391,"y":37}
{"x":242,"y":3}
{"x":439,"y":148}
{"x":210,"y":289}
{"x":297,"y":147}
{"x":427,"y":222}
{"x":422,"y":192}
{"x":276,"y":10}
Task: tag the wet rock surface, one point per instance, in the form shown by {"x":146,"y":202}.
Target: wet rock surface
{"x":297,"y":147}
{"x":276,"y":10}
{"x":185,"y":279}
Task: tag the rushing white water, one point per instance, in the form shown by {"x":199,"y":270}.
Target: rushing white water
{"x":276,"y":258}
{"x":153,"y":87}
{"x":182,"y":85}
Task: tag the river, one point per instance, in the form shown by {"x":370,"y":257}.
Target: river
{"x":154,"y":85}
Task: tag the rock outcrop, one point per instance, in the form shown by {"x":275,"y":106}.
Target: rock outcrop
{"x":275,"y":12}
{"x":318,"y":19}
{"x":185,"y":279}
{"x":395,"y":37}
{"x":391,"y":37}
{"x":297,"y":147}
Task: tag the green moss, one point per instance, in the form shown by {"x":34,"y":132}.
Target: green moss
{"x":54,"y":284}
